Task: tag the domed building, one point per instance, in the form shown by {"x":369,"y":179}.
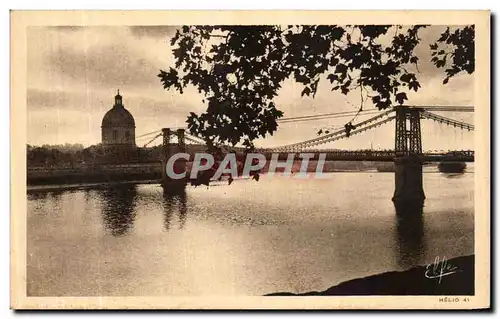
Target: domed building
{"x":118,"y":127}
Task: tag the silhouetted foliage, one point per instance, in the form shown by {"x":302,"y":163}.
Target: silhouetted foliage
{"x":239,"y":69}
{"x":454,"y":50}
{"x":348,"y":128}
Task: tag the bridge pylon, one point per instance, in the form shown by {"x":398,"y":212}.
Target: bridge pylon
{"x":169,"y":149}
{"x":408,"y":158}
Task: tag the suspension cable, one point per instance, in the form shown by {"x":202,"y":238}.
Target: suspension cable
{"x":339,"y":132}
{"x":150,"y":133}
{"x":447,"y":121}
{"x":324,"y":116}
{"x":151,"y":141}
{"x":342,"y":135}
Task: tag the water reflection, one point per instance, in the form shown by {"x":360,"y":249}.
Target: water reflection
{"x":57,"y":193}
{"x":410,"y":233}
{"x":453,"y":175}
{"x":87,"y":195}
{"x":118,"y":208}
{"x":311,"y":241}
{"x":174,"y":200}
{"x":38,"y":196}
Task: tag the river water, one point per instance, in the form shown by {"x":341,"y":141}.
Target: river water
{"x":247,"y":238}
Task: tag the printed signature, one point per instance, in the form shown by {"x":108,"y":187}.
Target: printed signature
{"x":439,"y":269}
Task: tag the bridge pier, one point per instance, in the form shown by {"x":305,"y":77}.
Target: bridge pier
{"x":169,"y":184}
{"x":409,"y":189}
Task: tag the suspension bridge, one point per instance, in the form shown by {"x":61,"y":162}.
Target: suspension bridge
{"x":407,"y":154}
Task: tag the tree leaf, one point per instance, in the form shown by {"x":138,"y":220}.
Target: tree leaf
{"x":306,"y":91}
{"x":401,"y":97}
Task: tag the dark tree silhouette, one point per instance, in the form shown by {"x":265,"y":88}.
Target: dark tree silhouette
{"x":454,"y":50}
{"x":239,"y":69}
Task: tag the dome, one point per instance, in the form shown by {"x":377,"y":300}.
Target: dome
{"x":118,"y":117}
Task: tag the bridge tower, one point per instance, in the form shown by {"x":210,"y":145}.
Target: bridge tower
{"x":168,"y":150}
{"x":408,"y":158}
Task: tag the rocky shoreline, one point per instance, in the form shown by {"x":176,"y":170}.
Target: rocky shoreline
{"x":451,"y":277}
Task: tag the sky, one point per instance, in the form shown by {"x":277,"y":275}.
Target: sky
{"x":74,"y":73}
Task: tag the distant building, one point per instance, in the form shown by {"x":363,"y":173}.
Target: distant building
{"x":118,"y":127}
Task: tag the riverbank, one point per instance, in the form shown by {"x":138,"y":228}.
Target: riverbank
{"x":457,"y":279}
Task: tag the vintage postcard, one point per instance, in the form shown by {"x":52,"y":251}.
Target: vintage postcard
{"x":250,"y":160}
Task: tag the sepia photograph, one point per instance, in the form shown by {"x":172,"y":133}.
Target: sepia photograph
{"x":248,"y":161}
